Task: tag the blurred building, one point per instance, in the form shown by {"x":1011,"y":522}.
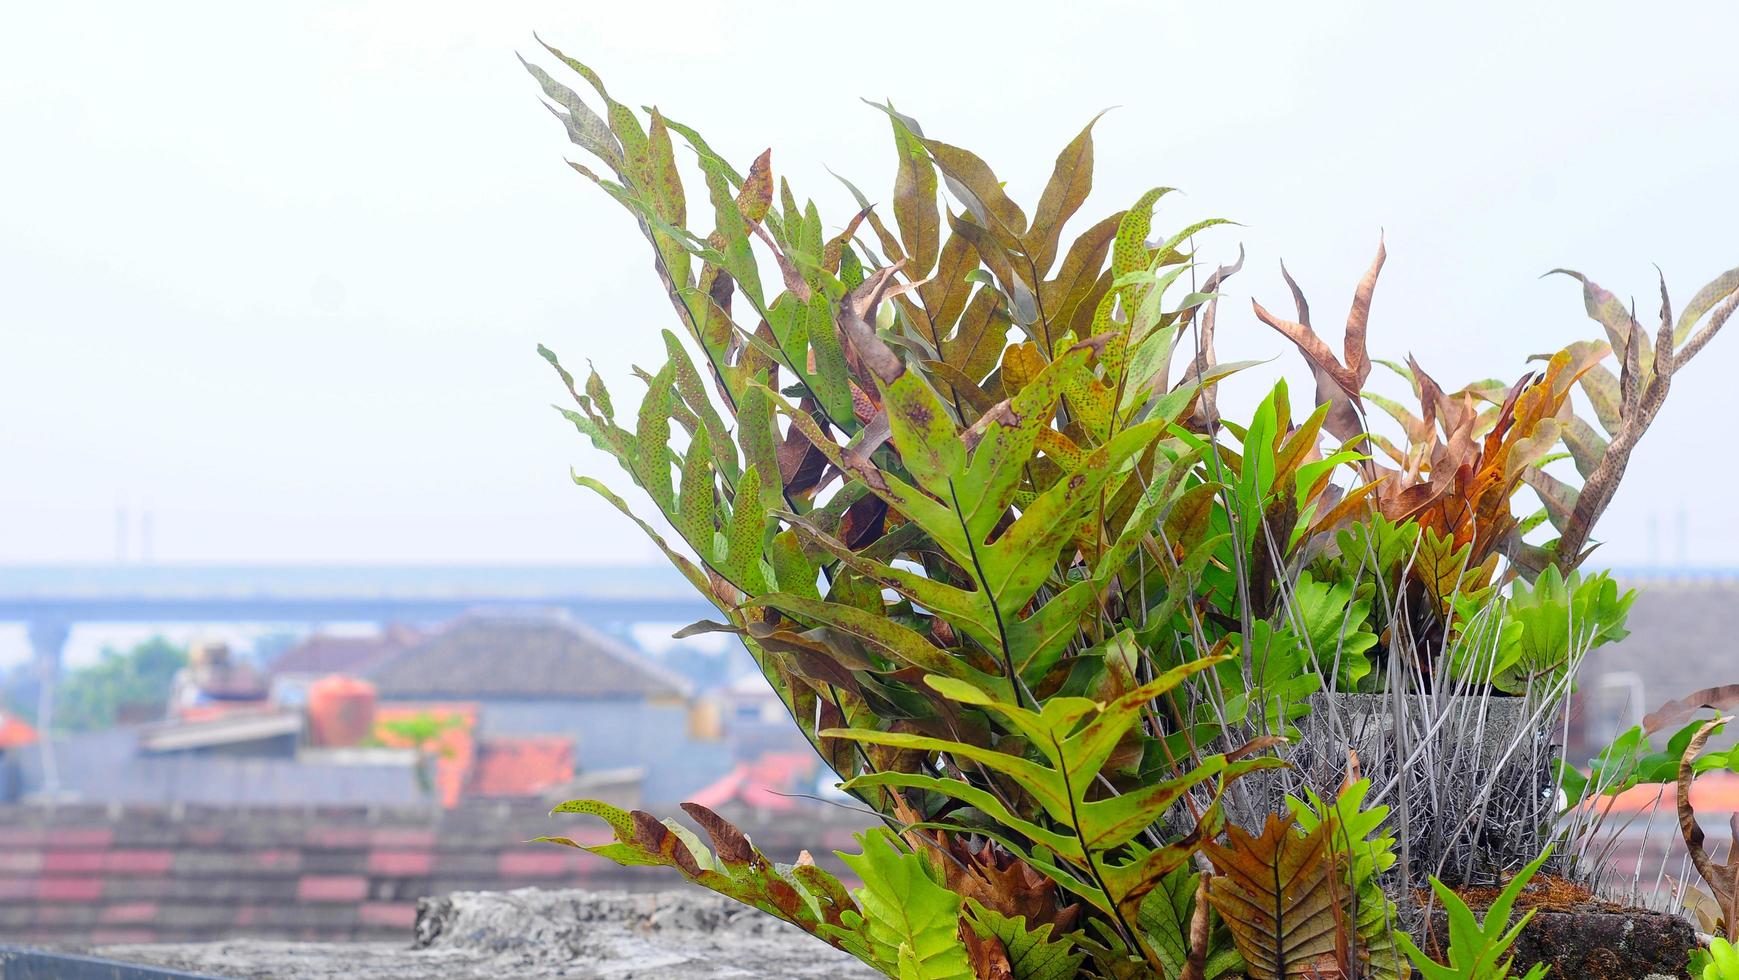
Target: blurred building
{"x":490,"y":706}
{"x":326,"y":654}
{"x":549,"y":676}
{"x":1684,"y":638}
{"x":15,"y":737}
{"x":750,"y":717}
{"x":215,"y":679}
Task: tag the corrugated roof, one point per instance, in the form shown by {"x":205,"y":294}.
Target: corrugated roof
{"x":516,"y":657}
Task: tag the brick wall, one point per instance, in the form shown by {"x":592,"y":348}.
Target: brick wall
{"x":82,"y":874}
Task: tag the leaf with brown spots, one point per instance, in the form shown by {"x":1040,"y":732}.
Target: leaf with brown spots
{"x":927,"y":439}
{"x":1071,"y":181}
{"x":915,"y":210}
{"x":736,"y":870}
{"x":971,"y":180}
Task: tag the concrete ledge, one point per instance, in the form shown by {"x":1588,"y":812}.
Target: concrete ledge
{"x":19,"y":963}
{"x":534,"y":934}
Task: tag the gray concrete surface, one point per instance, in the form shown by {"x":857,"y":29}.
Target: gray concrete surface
{"x":535,"y":934}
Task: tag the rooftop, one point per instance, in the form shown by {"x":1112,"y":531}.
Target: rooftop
{"x":209,"y":729}
{"x":482,"y":657}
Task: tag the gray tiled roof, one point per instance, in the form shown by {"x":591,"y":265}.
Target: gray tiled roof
{"x":324,"y":653}
{"x":483,"y":656}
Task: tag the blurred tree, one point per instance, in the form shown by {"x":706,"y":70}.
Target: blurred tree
{"x":90,"y":697}
{"x":424,"y":731}
{"x":270,"y":646}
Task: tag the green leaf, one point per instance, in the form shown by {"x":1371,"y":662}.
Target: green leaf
{"x":1076,"y":736}
{"x":924,"y":434}
{"x":893,"y":640}
{"x":1032,"y":953}
{"x":732,"y":232}
{"x":831,"y":382}
{"x":755,"y":430}
{"x":793,"y":572}
{"x":1722,"y":961}
{"x":693,"y":392}
{"x":1337,"y":628}
{"x":742,"y":562}
{"x":1165,"y":916}
{"x":1018,"y":562}
{"x":912,"y":923}
{"x":653,"y":440}
{"x":695,"y":576}
{"x":1477,"y":949}
{"x":585,"y":127}
{"x":695,"y":505}
{"x":1129,"y":254}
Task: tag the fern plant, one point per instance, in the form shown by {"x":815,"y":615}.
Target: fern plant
{"x":965,"y":494}
{"x":1479,"y":949}
{"x":932,"y":539}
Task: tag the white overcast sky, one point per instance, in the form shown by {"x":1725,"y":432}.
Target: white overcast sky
{"x":275,"y":272}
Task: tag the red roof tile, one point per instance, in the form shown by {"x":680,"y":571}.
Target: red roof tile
{"x":1713,"y":792}
{"x":766,"y":783}
{"x":523,"y":766}
{"x":14,"y":732}
{"x":455,"y":747}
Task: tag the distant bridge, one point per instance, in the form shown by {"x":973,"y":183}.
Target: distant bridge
{"x":51,"y":599}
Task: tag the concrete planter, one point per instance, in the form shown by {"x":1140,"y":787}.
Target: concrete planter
{"x":1476,"y":809}
{"x":1365,"y":723}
